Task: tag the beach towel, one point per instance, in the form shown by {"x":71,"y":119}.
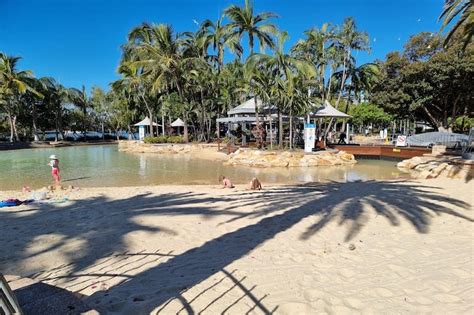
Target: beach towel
{"x":10,"y":203}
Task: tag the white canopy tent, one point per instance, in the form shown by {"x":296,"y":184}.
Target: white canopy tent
{"x":328,"y":111}
{"x":236,"y":119}
{"x":145,"y":122}
{"x":247,"y":107}
{"x":177,"y":123}
{"x":142,"y":125}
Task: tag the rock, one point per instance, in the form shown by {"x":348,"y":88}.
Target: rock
{"x":437,"y":170}
{"x":424,"y":175}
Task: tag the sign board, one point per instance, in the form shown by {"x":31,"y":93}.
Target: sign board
{"x":309,"y":137}
{"x":141,"y":132}
{"x":401,"y":141}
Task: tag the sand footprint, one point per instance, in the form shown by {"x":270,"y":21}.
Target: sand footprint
{"x":312,"y":295}
{"x":347,"y":273}
{"x":354,"y":303}
{"x":446,"y":298}
{"x":295,"y":308}
{"x":423,"y":300}
{"x":340,"y":310}
{"x":383,"y":292}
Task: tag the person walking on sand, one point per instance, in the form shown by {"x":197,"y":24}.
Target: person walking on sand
{"x":54,"y":163}
{"x":226,"y":182}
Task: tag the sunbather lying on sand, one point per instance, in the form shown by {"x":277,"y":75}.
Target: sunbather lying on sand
{"x":226,"y":182}
{"x":255,"y":184}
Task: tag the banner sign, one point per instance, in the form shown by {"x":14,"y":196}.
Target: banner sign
{"x":309,"y":137}
{"x":401,"y":141}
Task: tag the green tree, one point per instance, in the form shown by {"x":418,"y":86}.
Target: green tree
{"x":13,"y":84}
{"x":243,"y":20}
{"x":80,"y":99}
{"x":369,"y":114}
{"x":436,"y":90}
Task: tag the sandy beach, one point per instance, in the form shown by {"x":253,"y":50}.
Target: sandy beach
{"x":393,"y":247}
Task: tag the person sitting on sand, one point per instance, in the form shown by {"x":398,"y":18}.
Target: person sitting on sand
{"x":255,"y":184}
{"x":226,"y":182}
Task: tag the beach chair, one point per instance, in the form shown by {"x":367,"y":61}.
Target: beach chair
{"x":8,"y":303}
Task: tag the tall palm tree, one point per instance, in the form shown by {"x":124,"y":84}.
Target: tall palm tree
{"x":219,"y":36}
{"x":349,"y":39}
{"x":284,"y":67}
{"x":13,"y":84}
{"x":316,"y":48}
{"x":56,"y":96}
{"x":81,"y":100}
{"x":243,"y":20}
{"x":464,"y":9}
{"x":161,"y":56}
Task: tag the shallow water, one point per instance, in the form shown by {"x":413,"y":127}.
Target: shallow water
{"x":103,"y":165}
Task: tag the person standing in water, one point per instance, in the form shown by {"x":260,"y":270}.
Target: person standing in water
{"x":54,"y":163}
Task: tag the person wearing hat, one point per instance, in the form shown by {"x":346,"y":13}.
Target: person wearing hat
{"x":54,"y":163}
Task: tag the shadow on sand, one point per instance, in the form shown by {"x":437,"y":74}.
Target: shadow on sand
{"x":276,"y":210}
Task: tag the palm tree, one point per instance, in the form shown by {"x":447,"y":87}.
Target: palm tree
{"x":13,"y":84}
{"x":349,"y":39}
{"x":463,"y":9}
{"x":316,"y":49}
{"x":219,"y":37}
{"x":81,"y":100}
{"x":161,"y":58}
{"x":56,"y":97}
{"x":244,"y":21}
{"x":284,"y":67}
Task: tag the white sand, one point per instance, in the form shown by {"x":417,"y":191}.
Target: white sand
{"x":286,"y":249}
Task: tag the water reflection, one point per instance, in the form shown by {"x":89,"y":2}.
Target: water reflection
{"x":104,"y":166}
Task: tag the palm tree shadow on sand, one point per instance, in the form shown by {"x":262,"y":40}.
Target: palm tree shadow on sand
{"x":279,"y":209}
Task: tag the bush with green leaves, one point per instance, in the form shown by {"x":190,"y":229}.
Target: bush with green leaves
{"x":164,"y":139}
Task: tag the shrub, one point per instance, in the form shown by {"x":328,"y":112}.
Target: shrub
{"x":164,"y":139}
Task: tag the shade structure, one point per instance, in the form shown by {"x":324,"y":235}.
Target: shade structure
{"x":236,"y":119}
{"x":145,"y":122}
{"x":327,"y":110}
{"x":247,"y":107}
{"x":177,"y":123}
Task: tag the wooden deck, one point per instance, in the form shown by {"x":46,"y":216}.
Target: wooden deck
{"x":382,"y":151}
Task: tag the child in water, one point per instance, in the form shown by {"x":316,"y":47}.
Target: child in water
{"x":54,"y":163}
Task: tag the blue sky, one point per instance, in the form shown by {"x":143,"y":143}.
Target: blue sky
{"x":78,"y":41}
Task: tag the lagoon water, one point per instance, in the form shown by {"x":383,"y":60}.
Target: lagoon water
{"x":103,"y":165}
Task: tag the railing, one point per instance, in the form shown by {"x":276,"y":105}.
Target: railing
{"x":467,"y":151}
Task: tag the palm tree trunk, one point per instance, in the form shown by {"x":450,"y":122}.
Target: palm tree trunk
{"x":35,"y":118}
{"x":280,"y":129}
{"x":162,"y":124}
{"x":291,"y":128}
{"x":84,"y":112}
{"x":185,"y":120}
{"x":329,"y":86}
{"x":343,"y":79}
{"x":256,"y":110}
{"x":251,"y":43}
{"x":185,"y":129}
{"x":10,"y":121}
{"x":15,"y":131}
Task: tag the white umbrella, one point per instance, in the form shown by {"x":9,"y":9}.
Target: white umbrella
{"x":327,"y":110}
{"x":177,"y":123}
{"x":146,"y":122}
